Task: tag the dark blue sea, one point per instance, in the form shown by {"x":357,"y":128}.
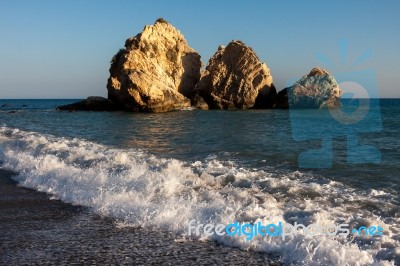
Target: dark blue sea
{"x":164,"y":170}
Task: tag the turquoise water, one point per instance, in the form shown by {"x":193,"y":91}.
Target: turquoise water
{"x":253,"y":153}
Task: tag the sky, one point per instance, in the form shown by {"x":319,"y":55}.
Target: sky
{"x":62,"y":49}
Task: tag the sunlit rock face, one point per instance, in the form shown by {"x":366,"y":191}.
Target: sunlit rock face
{"x":155,"y":72}
{"x":236,"y":79}
{"x":318,"y":89}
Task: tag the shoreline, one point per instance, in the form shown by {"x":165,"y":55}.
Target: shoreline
{"x":37,"y":230}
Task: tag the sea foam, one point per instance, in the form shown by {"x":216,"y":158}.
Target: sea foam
{"x":139,"y":189}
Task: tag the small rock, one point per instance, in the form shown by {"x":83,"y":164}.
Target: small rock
{"x":317,"y":89}
{"x":93,"y":103}
{"x":199,"y":103}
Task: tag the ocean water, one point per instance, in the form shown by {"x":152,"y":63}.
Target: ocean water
{"x":163,"y":170}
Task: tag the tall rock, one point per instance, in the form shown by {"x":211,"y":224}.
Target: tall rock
{"x":317,"y":89}
{"x":235,"y":78}
{"x":155,"y":72}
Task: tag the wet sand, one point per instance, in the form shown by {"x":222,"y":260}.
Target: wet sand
{"x":36,"y":230}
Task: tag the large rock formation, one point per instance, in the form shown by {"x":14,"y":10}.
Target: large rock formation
{"x":155,"y":72}
{"x":158,"y":71}
{"x":235,"y":78}
{"x":317,"y":89}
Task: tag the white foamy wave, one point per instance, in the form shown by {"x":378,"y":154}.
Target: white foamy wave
{"x":139,"y":189}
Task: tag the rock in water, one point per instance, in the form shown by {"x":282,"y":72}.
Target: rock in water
{"x":198,"y":102}
{"x":93,"y":103}
{"x":317,"y":89}
{"x":235,"y":78}
{"x":155,"y":72}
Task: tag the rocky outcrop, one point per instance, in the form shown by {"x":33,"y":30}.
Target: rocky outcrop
{"x":93,"y":103}
{"x":155,"y":72}
{"x":317,"y":89}
{"x":235,"y":78}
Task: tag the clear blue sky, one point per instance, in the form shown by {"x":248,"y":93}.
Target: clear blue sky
{"x":62,"y":49}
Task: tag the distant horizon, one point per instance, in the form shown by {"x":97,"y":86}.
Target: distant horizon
{"x":62,"y":50}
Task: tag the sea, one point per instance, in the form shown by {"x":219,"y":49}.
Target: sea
{"x":159,"y":171}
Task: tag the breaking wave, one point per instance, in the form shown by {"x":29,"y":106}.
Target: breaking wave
{"x":139,"y":189}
